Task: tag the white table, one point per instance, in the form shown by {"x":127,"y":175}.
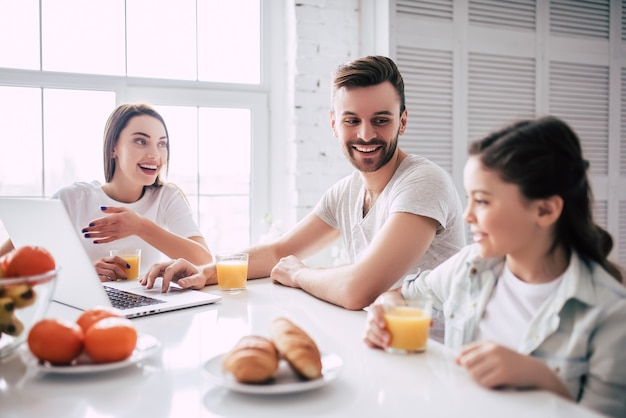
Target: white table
{"x":171,"y":383}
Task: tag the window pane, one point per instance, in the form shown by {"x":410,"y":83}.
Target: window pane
{"x":162,"y":38}
{"x":229,"y":41}
{"x":224,"y":151}
{"x":83,"y":36}
{"x":20,"y":140}
{"x":182,"y":127}
{"x":73,"y":130}
{"x":19,"y":34}
{"x":225,"y":222}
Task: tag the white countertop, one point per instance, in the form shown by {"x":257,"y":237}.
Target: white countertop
{"x":171,"y":383}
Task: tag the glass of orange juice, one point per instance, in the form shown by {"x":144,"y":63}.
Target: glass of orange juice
{"x":132,"y":256}
{"x":408,"y":321}
{"x":232,"y":271}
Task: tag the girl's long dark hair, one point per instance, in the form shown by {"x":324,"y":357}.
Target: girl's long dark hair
{"x":544,"y":158}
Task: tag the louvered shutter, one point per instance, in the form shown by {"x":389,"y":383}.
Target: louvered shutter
{"x":579,"y":94}
{"x":622,"y":154}
{"x":621,"y":238}
{"x":501,"y":89}
{"x":429,"y":9}
{"x":504,"y":14}
{"x":622,"y":164}
{"x":472,"y":65}
{"x":600,"y":213}
{"x":427,"y":74}
{"x":428,"y":77}
{"x":586,"y":19}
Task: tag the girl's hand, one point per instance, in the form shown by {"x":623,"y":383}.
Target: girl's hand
{"x":376,"y":333}
{"x":492,"y":365}
{"x":118,"y":223}
{"x":109,"y":269}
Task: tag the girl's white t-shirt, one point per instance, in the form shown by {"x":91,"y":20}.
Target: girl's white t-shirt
{"x":511,"y":307}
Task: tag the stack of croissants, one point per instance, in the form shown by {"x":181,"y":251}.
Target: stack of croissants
{"x":255,"y":358}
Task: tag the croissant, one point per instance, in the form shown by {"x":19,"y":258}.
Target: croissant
{"x":253,"y":359}
{"x":297,"y":348}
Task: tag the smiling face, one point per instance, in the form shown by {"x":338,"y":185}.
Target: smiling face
{"x":502,"y":221}
{"x":140,"y":151}
{"x":368,"y":122}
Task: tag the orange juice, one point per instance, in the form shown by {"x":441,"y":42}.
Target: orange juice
{"x":132,"y":256}
{"x":408,"y":327}
{"x":133,"y":272}
{"x":232,"y":274}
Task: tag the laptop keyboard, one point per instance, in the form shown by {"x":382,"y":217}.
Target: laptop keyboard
{"x":121,"y":299}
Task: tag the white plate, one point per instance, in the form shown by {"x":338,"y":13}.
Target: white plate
{"x":146,"y":346}
{"x":285,"y":380}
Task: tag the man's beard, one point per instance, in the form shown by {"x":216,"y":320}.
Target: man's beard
{"x":368,"y":165}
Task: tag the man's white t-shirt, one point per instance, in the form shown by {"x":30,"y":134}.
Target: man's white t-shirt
{"x":166,"y":206}
{"x":418,"y":186}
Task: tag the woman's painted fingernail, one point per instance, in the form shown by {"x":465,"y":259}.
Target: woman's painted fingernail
{"x":127,"y":265}
{"x":103,"y":208}
{"x":91,"y":224}
{"x":84,"y":230}
{"x":86,"y":235}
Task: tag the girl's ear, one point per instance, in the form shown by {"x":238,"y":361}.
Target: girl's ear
{"x":549,"y":210}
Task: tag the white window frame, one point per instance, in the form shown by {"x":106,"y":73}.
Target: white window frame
{"x":167,"y":92}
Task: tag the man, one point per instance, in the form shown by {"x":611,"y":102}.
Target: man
{"x":396,"y":213}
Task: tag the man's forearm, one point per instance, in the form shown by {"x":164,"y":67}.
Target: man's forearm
{"x":338,"y":286}
{"x":261,"y":261}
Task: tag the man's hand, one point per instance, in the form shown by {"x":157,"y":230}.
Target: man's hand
{"x":179,"y":271}
{"x":286,"y":270}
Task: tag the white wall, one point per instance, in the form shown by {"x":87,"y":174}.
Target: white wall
{"x":315,"y":36}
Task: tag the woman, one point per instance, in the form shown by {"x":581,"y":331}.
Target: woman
{"x":534,"y":302}
{"x":134,"y":208}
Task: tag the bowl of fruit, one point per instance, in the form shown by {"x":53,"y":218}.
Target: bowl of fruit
{"x":27,"y":280}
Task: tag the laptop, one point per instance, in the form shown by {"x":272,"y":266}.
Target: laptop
{"x":46,"y":223}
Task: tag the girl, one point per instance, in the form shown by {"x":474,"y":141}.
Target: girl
{"x":534,"y":302}
{"x":134,"y":208}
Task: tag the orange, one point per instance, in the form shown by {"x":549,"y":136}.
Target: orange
{"x":56,"y":341}
{"x":4,"y":260}
{"x":91,"y":316}
{"x":29,"y":260}
{"x":110,"y":339}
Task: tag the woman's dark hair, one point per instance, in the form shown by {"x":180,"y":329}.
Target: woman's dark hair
{"x":369,"y":71}
{"x":116,"y":123}
{"x":544,"y":158}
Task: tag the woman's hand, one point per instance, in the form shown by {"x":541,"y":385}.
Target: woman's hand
{"x":118,"y":223}
{"x":179,"y":271}
{"x":492,"y":365}
{"x":109,"y":268}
